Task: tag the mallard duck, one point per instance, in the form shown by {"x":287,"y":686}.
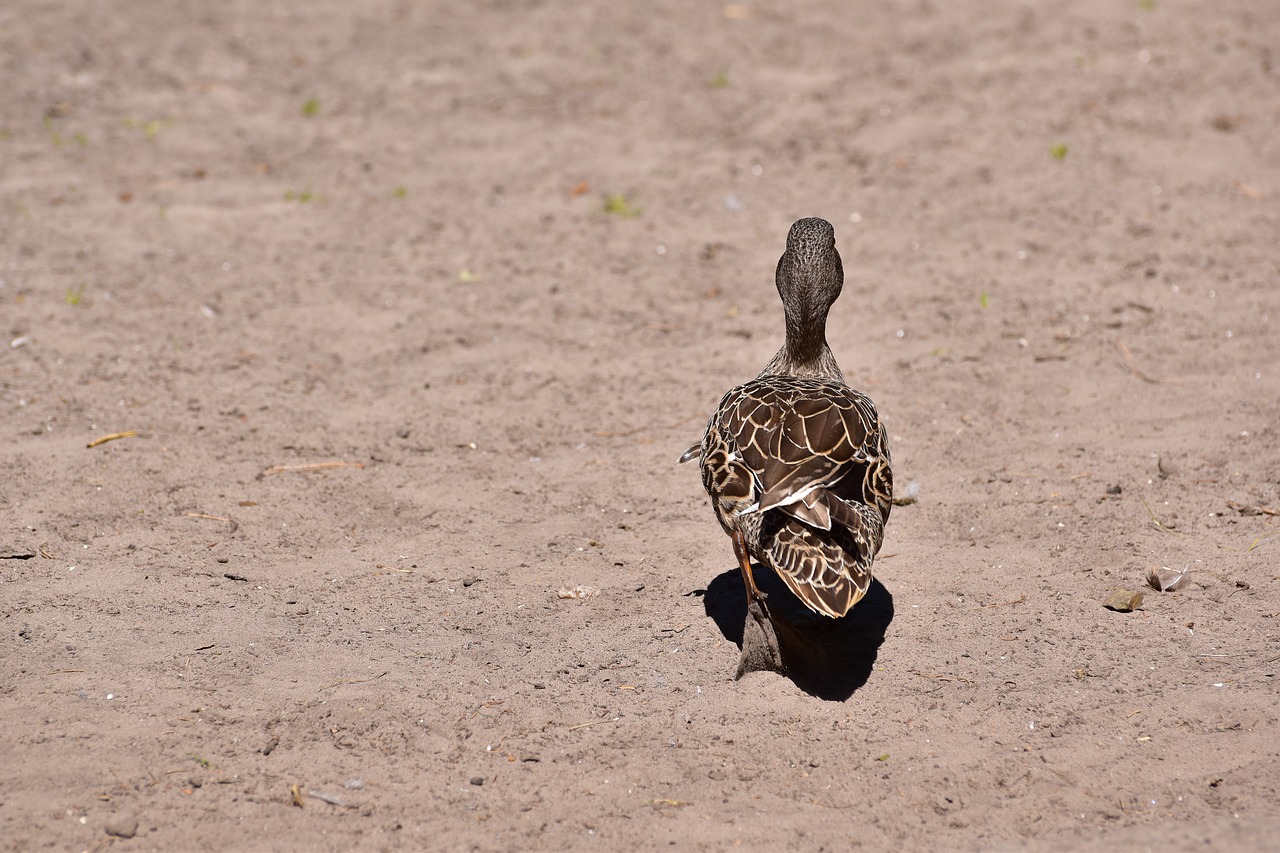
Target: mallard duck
{"x":795,"y":461}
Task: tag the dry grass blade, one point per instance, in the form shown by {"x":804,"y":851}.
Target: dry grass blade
{"x":1155,"y":520}
{"x":129,"y":433}
{"x":312,"y":466}
{"x":205,"y":515}
{"x":1135,"y":370}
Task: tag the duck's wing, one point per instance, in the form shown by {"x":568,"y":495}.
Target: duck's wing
{"x":818,"y":454}
{"x":801,"y":435}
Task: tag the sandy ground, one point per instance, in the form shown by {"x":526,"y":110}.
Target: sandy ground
{"x":499,"y":261}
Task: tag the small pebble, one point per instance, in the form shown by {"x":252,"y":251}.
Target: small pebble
{"x":477,"y":780}
{"x":470,"y":581}
{"x":122,"y":826}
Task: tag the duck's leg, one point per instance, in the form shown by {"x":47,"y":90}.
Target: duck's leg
{"x":760,"y":649}
{"x":744,"y":563}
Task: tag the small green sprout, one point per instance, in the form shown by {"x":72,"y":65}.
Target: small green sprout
{"x":73,"y":297}
{"x":1059,"y":151}
{"x":54,"y":136}
{"x":400,"y":192}
{"x":720,"y":81}
{"x":982,"y":299}
{"x":303,"y":196}
{"x":311,"y":107}
{"x":617,"y":204}
{"x":151,"y":128}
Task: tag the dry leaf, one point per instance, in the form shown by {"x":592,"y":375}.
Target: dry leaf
{"x":1123,"y":600}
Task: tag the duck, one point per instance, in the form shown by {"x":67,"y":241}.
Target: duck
{"x":796,"y":462}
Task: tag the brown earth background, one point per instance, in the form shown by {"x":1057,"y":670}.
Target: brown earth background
{"x":500,"y":260}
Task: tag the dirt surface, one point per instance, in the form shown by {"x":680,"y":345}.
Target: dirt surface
{"x":499,"y":261}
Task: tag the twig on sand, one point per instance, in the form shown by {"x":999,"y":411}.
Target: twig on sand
{"x":312,"y":466}
{"x":354,"y":681}
{"x":1135,"y":370}
{"x":593,"y":723}
{"x":129,"y":433}
{"x":1249,"y":509}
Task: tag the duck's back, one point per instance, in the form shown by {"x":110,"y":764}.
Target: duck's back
{"x":801,"y":466}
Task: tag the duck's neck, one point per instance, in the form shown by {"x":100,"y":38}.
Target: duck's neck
{"x":806,"y":352}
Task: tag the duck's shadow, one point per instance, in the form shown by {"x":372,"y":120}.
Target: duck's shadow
{"x":827,"y":658}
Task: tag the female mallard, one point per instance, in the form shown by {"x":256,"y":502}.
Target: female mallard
{"x":796,"y":462}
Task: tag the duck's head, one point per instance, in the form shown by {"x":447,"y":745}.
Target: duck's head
{"x":809,"y":275}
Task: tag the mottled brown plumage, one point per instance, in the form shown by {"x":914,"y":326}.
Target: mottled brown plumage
{"x":795,"y":461}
